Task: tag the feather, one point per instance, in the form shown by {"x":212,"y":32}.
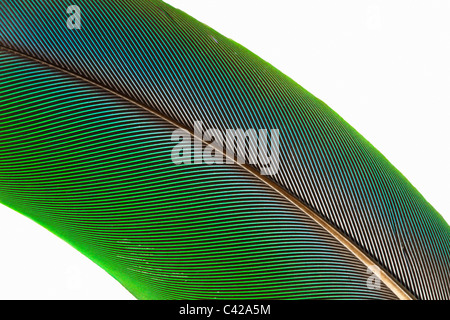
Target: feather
{"x":101,"y":176}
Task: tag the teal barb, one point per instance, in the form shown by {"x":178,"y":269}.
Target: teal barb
{"x":83,"y":155}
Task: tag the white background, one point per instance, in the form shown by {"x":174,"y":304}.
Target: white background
{"x":384,"y":66}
